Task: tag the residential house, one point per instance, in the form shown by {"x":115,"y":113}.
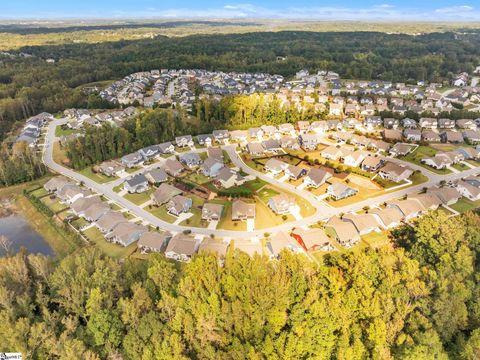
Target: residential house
{"x":427,"y":201}
{"x":379,"y":145}
{"x":395,"y":172}
{"x":428,"y":123}
{"x":446,"y":123}
{"x":469,"y":153}
{"x":271,"y":145}
{"x":289,"y":143}
{"x":107,"y":222}
{"x":72,"y":192}
{"x":255,"y":149}
{"x":111,"y":168}
{"x":283,"y":204}
{"x":467,"y":124}
{"x":255,"y":133}
{"x":295,"y":172}
{"x":166,"y":148}
{"x":184,"y":141}
{"x":242,"y":211}
{"x":179,"y":204}
{"x":303,"y":127}
{"x":56,"y":183}
{"x":136,"y":184}
{"x":133,"y":160}
{"x":95,"y":211}
{"x":269,"y":130}
{"x":287,"y":129}
{"x":400,"y":149}
{"x":156,"y":176}
{"x":388,"y":218}
{"x":181,"y":247}
{"x":221,"y":136}
{"x":312,"y":239}
{"x":173,"y":167}
{"x":250,"y":248}
{"x":227,"y":178}
{"x":308,"y":141}
{"x":191,"y":159}
{"x":316,"y":177}
{"x":319,"y":127}
{"x":213,"y":246}
{"x":215,"y":153}
{"x":430,"y":136}
{"x":409,"y":208}
{"x":239,"y":135}
{"x":205,"y":140}
{"x":453,"y":137}
{"x":468,"y":190}
{"x":339,"y":191}
{"x":152,"y":242}
{"x":364,"y":223}
{"x":212,"y":166}
{"x":282,"y":241}
{"x":164,"y":193}
{"x":472,"y":136}
{"x":412,"y":135}
{"x":331,"y":153}
{"x":355,"y":158}
{"x":150,"y":152}
{"x":392,"y":135}
{"x":391,"y":123}
{"x":335,"y":109}
{"x":372,"y":163}
{"x":126,"y":233}
{"x":212,"y":212}
{"x":343,"y":231}
{"x":275,"y":166}
{"x":409,"y":123}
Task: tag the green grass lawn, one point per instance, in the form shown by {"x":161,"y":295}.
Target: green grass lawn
{"x":53,"y":204}
{"x":115,"y":207}
{"x":256,"y":184}
{"x":195,"y":220}
{"x":39,"y":192}
{"x":64,"y":131}
{"x":464,"y":205}
{"x":461,"y":167}
{"x":131,"y":170}
{"x":79,"y":223}
{"x":421,"y":152}
{"x":266,"y":193}
{"x":376,"y":239}
{"x":139,"y":199}
{"x":226,"y":222}
{"x":198,"y":178}
{"x":161,"y":213}
{"x":118,"y":188}
{"x":97,"y":177}
{"x":113,"y":250}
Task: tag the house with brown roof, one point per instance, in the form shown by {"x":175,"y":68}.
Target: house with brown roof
{"x":179,"y":204}
{"x":339,"y":191}
{"x":95,"y":211}
{"x":107,"y":222}
{"x":181,"y":247}
{"x":281,"y":241}
{"x":251,"y":248}
{"x":372,"y":163}
{"x":173,"y":167}
{"x":469,"y":191}
{"x":150,"y":242}
{"x":392,"y":135}
{"x":56,"y":183}
{"x":343,"y":231}
{"x":242,"y":211}
{"x":275,"y":166}
{"x":430,"y":136}
{"x":209,"y":245}
{"x":313,"y":239}
{"x":395,"y":172}
{"x":427,"y":201}
{"x":282,"y":204}
{"x":212,"y":212}
{"x":70,"y":193}
{"x":164,"y":193}
{"x":453,"y":137}
{"x":400,"y":149}
{"x":409,"y":208}
{"x":388,"y":218}
{"x":447,"y":195}
{"x":111,"y":168}
{"x":126,"y":233}
{"x":316,"y":177}
{"x":364,"y":223}
{"x":295,"y":172}
{"x":331,"y":153}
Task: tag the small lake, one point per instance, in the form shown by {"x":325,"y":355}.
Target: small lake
{"x":17,"y":229}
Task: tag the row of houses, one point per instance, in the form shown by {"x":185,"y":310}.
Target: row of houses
{"x":444,"y":159}
{"x":32,"y":129}
{"x":78,"y":118}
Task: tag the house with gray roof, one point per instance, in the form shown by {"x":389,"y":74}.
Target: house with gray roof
{"x":221,"y":135}
{"x":136,"y":184}
{"x":212,"y":166}
{"x":205,"y":139}
{"x":56,"y":183}
{"x":316,"y":177}
{"x":191,"y":159}
{"x":255,"y":149}
{"x":107,"y":222}
{"x":184,"y":141}
{"x":166,"y":148}
{"x":181,"y":247}
{"x":150,"y":152}
{"x":338,"y":191}
{"x":133,"y":160}
{"x":126,"y":233}
{"x":164,"y":193}
{"x":173,"y":167}
{"x":241,"y":210}
{"x":179,"y":204}
{"x":151,"y":242}
{"x":156,"y":176}
{"x":212,"y":212}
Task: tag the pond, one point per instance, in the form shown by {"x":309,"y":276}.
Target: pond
{"x":19,"y":232}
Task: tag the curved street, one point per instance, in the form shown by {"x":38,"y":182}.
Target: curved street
{"x":323,"y":210}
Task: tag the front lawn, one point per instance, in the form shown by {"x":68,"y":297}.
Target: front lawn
{"x":195,"y":220}
{"x":255,"y":184}
{"x":97,"y":177}
{"x":464,"y":205}
{"x":266,"y":193}
{"x":140,"y":198}
{"x":161,"y":213}
{"x":415,"y":157}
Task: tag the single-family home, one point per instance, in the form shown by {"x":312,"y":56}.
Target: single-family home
{"x":255,"y":149}
{"x":312,"y":239}
{"x":221,"y":136}
{"x":392,"y":135}
{"x":388,"y":218}
{"x":467,"y":124}
{"x":72,"y":192}
{"x":289,"y":143}
{"x":447,"y":195}
{"x":164,"y":193}
{"x":339,"y":190}
{"x":319,"y":127}
{"x":331,"y":153}
{"x":472,"y":136}
{"x":133,"y":160}
{"x":156,"y":176}
{"x":308,"y":141}
{"x":343,"y":231}
{"x":227,"y":178}
{"x":178,"y":204}
{"x":212,"y":166}
{"x":412,"y":135}
{"x":181,"y":247}
{"x":427,"y":201}
{"x":190,"y":159}
{"x":166,"y":148}
{"x":242,"y":211}
{"x":364,"y":223}
{"x":316,"y":177}
{"x":205,"y":139}
{"x":354,"y":158}
{"x":151,"y":242}
{"x":239,"y":135}
{"x":282,"y":241}
{"x":453,"y":137}
{"x":446,"y":123}
{"x":126,"y":233}
{"x":303,"y":127}
{"x":468,"y":190}
{"x":400,"y":149}
{"x":295,"y":172}
{"x":216,"y":153}
{"x":150,"y":152}
{"x":184,"y":141}
{"x":372,"y":163}
{"x":136,"y":184}
{"x":213,"y":246}
{"x":409,"y":208}
{"x":107,"y":222}
{"x":56,"y":183}
{"x":212,"y":212}
{"x":275,"y":166}
{"x":173,"y":167}
{"x":255,"y":133}
{"x":271,"y":145}
{"x":395,"y":172}
{"x":283,"y":204}
{"x":430,"y":136}
{"x":428,"y":123}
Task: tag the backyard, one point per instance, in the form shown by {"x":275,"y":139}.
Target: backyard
{"x":416,"y":156}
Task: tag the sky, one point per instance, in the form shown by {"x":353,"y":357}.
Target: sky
{"x":364,"y":10}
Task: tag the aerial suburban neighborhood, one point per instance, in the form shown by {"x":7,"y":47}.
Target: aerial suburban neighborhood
{"x":350,"y":175}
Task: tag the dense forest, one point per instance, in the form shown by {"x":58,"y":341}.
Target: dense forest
{"x":418,"y":299}
{"x":30,"y":85}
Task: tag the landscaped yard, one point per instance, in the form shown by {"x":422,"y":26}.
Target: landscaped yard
{"x":63,"y":130}
{"x":226,"y":222}
{"x":255,"y":184}
{"x":97,"y":177}
{"x":139,"y":199}
{"x":161,"y":213}
{"x":266,"y":193}
{"x":464,"y":205}
{"x":265,"y":217}
{"x":114,"y":250}
{"x":421,"y":152}
{"x":195,"y":220}
{"x":461,"y":167}
{"x":53,"y":204}
{"x":197,"y":178}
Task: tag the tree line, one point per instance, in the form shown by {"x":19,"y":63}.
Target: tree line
{"x":415,"y":300}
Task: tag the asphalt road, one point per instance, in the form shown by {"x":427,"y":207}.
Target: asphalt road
{"x":323,"y":210}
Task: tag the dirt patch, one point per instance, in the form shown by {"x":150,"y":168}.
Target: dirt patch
{"x":363,"y":182}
